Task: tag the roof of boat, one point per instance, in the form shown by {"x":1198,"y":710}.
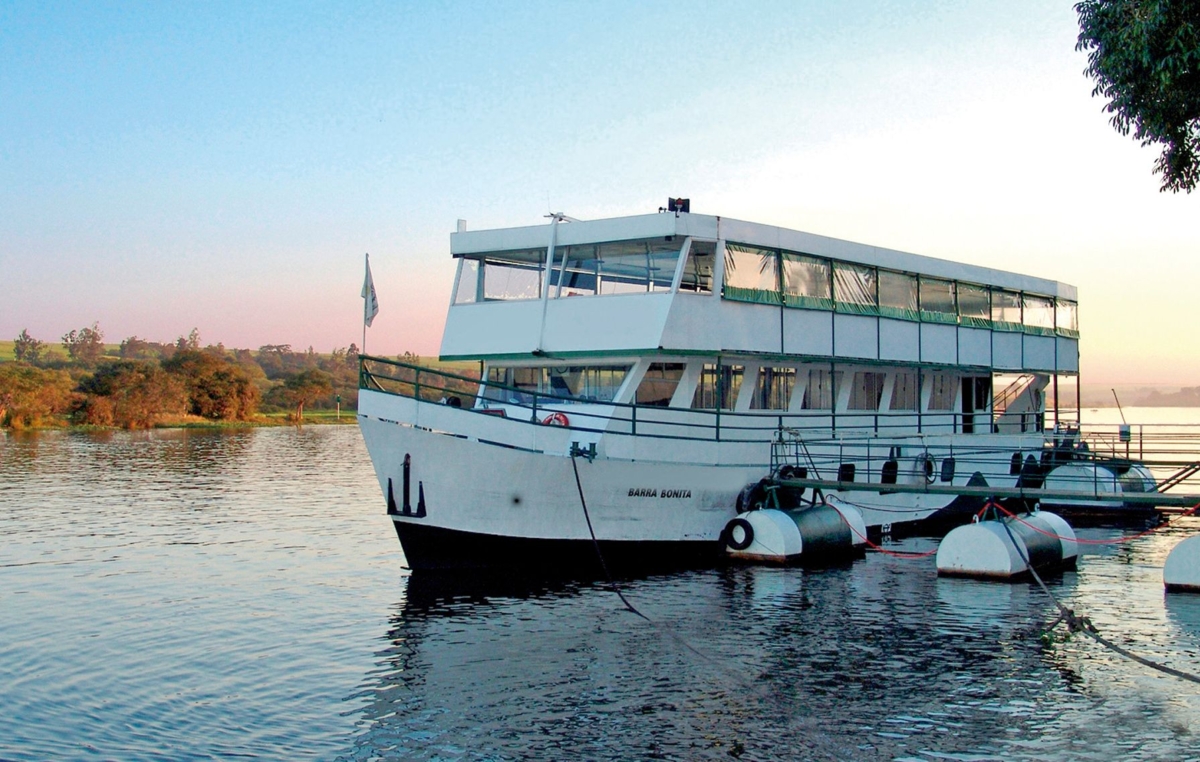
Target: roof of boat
{"x":467,"y":243}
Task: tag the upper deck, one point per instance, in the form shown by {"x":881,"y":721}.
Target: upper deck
{"x":697,"y":284}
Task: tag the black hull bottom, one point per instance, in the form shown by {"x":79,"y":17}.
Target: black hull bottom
{"x":434,"y":548}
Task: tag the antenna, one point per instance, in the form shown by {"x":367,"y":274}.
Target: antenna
{"x":1119,"y":410}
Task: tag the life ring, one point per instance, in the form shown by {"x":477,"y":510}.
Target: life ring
{"x":747,"y":534}
{"x":929,"y":466}
{"x":556,"y":419}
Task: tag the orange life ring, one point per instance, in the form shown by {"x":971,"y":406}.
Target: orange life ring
{"x":556,"y":419}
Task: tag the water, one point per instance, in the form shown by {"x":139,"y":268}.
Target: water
{"x":200,"y":595}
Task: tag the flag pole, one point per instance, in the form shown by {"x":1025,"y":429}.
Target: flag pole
{"x":370,"y":302}
{"x":366,"y":302}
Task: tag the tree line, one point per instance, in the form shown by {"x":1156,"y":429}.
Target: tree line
{"x":140,"y":382}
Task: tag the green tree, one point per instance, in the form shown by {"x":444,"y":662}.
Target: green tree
{"x":132,"y":394}
{"x":85,"y":345}
{"x":1145,"y":58}
{"x":27,"y":349}
{"x":216,"y":388}
{"x":134,"y":348}
{"x":307,"y":387}
{"x":191,"y":341}
{"x":29,"y":395}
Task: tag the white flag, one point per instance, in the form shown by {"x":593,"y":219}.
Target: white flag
{"x":370,"y":303}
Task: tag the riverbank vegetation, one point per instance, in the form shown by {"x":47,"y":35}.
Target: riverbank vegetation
{"x":138,"y":383}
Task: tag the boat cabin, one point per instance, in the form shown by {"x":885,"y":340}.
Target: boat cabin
{"x":697,"y":312}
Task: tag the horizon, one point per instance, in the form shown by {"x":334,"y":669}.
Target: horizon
{"x":225,"y":167}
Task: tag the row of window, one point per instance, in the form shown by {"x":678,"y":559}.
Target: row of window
{"x":618,"y":267}
{"x":774,"y":276}
{"x":719,"y":386}
{"x":767,"y":276}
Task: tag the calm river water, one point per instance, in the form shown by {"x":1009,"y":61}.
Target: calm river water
{"x":200,"y":595}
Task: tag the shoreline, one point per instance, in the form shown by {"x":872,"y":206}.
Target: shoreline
{"x":271,"y":420}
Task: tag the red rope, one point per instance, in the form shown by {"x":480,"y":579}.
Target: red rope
{"x":885,"y":551}
{"x":1039,"y":530}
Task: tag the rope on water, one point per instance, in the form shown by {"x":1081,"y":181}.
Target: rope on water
{"x":1076,"y":623}
{"x":596,"y":544}
{"x":743,"y":681}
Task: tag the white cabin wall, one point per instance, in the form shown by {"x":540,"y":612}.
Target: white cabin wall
{"x":1006,"y":350}
{"x":1039,"y":352}
{"x":974,"y":346}
{"x":711,"y":324}
{"x":1068,"y":355}
{"x":938,"y":343}
{"x":807,"y":332}
{"x":899,"y":340}
{"x":856,"y":336}
{"x":611,"y":322}
{"x":492,"y":328}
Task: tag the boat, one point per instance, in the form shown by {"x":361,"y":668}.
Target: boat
{"x":630,"y":385}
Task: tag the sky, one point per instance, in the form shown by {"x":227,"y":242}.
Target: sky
{"x":225,"y":166}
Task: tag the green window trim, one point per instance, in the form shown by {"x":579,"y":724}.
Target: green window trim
{"x":1004,"y":325}
{"x":899,"y":313}
{"x":1037,"y":330}
{"x":1068,"y":333}
{"x":850,"y":308}
{"x":939,"y":317}
{"x":808,"y":302}
{"x":752,"y":295}
{"x":974,"y":322}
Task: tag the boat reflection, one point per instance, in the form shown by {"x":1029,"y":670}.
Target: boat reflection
{"x":877,"y":658}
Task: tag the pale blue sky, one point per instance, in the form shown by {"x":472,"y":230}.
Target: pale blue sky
{"x":224,"y":166}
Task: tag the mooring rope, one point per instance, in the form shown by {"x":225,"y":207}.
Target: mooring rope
{"x":906,"y":554}
{"x":1116,"y":541}
{"x":1076,"y":623}
{"x":743,"y":681}
{"x":596,"y":544}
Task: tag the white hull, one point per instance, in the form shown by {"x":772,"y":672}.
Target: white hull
{"x":525,"y":488}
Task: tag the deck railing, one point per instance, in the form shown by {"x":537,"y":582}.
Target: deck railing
{"x":822,"y":440}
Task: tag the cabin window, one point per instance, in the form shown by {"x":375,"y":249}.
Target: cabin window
{"x":523,"y":384}
{"x":806,"y":282}
{"x":616,"y":267}
{"x":854,"y":289}
{"x":1066,"y":318}
{"x":937,"y":301}
{"x":942,"y":391}
{"x":718,"y":387}
{"x":588,"y":383}
{"x":974,"y":305}
{"x":821,"y":392}
{"x":751,"y":274}
{"x":500,"y":276}
{"x":904,"y":391}
{"x":468,"y":282}
{"x":898,"y":295}
{"x":1038,"y":314}
{"x":1006,"y":309}
{"x":698,"y":269}
{"x":659,"y":384}
{"x":867,"y":391}
{"x":511,"y":282}
{"x":774,"y":389}
{"x":595,"y":383}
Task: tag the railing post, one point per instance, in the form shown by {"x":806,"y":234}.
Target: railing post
{"x":633,"y":419}
{"x":417,"y":384}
